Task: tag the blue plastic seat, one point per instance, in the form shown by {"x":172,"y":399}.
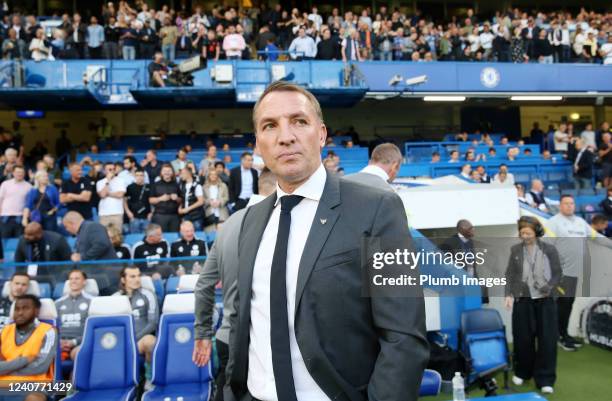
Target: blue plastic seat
{"x":431,"y":383}
{"x":106,"y":367}
{"x":172,"y":284}
{"x":483,"y":344}
{"x":174,"y":373}
{"x":45,"y":290}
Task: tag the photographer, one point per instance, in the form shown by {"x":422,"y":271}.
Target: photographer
{"x":533,"y":274}
{"x":158,"y":71}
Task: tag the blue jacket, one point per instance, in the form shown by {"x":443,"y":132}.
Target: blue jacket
{"x":33,"y":197}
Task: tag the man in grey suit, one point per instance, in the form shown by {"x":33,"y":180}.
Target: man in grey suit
{"x":92,"y":241}
{"x":382,"y":169}
{"x":222,"y":265}
{"x":302,"y":329}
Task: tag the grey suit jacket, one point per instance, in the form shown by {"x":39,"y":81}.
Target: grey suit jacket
{"x":369,"y":179}
{"x":93,"y":243}
{"x":221,"y":264}
{"x":355,"y":348}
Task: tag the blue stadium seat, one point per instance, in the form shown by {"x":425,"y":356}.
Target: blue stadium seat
{"x":586,"y":191}
{"x":483,"y":344}
{"x":10,"y":244}
{"x":172,"y":284}
{"x":131,"y":239}
{"x":174,"y":374}
{"x":572,"y":192}
{"x":431,"y":383}
{"x":45,"y":290}
{"x":58,"y":290}
{"x":108,"y":341}
{"x":601,"y":192}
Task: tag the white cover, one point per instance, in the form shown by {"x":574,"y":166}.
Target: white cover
{"x":110,"y":306}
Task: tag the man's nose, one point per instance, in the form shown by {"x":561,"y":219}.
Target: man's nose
{"x":286,"y":135}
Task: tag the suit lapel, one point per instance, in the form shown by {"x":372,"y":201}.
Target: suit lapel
{"x":253,"y":231}
{"x":322,"y":225}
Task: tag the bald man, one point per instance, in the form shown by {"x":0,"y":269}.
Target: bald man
{"x":382,"y":169}
{"x":92,"y":242}
{"x":37,"y":245}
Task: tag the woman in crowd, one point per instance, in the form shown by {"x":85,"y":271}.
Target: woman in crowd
{"x":532,"y":277}
{"x":217,"y":195}
{"x":192,"y":196}
{"x":121,"y":249}
{"x":42,"y":202}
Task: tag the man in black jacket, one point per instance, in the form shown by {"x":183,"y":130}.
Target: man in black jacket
{"x":243,"y":182}
{"x":583,"y":160}
{"x":328,"y":48}
{"x":92,"y":242}
{"x":37,"y":245}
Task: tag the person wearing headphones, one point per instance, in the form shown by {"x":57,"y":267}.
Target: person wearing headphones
{"x":532,"y":276}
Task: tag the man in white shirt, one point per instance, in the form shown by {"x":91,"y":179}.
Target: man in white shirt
{"x":606,"y":51}
{"x":315,"y":18}
{"x":486,"y":42}
{"x":303,"y":46}
{"x":111,"y":190}
{"x":561,"y":138}
{"x":588,"y":137}
{"x":382,"y":169}
{"x":302,"y":329}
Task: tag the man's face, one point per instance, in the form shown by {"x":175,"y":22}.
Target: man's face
{"x":166,"y":173}
{"x":131,"y":279}
{"x":187,"y":232}
{"x":25,"y":312}
{"x":19,"y":285}
{"x":76,"y":282}
{"x":290,"y":135}
{"x":139,"y":178}
{"x":109,"y":171}
{"x":127,"y":164}
{"x":302,"y":32}
{"x":151,"y":156}
{"x":567,"y":207}
{"x":212,"y":152}
{"x":33,"y":233}
{"x":467,"y":230}
{"x":247,"y":162}
{"x":154,"y":237}
{"x":18,"y":174}
{"x":76,"y":172}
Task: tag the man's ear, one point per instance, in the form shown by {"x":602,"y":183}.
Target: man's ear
{"x":322,"y":135}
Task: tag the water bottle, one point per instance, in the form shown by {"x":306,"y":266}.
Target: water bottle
{"x":458,"y":388}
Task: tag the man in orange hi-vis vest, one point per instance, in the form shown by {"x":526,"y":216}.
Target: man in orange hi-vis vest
{"x":27,"y":346}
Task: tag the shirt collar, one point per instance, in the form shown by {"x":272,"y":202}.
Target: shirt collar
{"x":377,"y":171}
{"x":462,"y":237}
{"x":311,"y":189}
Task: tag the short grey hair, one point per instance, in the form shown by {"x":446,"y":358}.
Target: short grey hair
{"x":386,"y":153}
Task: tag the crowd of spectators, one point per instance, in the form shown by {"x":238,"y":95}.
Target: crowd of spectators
{"x":131,"y":30}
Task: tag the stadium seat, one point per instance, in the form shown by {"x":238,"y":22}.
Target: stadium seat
{"x":601,"y":192}
{"x":33,"y":288}
{"x":187,"y":283}
{"x":146,"y":282}
{"x":10,"y":244}
{"x":48,"y":314}
{"x":174,"y":374}
{"x":483,"y":344}
{"x":586,"y":191}
{"x":45,"y":290}
{"x":172,"y":284}
{"x":431,"y":383}
{"x":108,"y":341}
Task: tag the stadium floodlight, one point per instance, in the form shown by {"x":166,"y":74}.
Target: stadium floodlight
{"x":538,"y":98}
{"x":444,"y":98}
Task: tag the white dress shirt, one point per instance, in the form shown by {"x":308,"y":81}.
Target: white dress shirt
{"x":377,"y":171}
{"x":260,"y":380}
{"x":246,"y":179}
